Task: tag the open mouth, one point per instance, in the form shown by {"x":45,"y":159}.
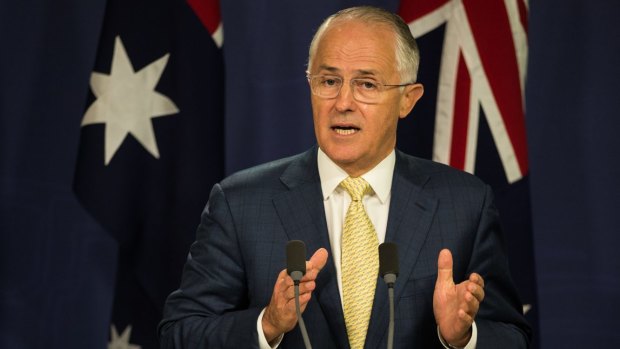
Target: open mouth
{"x":345,"y":130}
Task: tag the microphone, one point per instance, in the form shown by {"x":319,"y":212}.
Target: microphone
{"x":388,"y":270}
{"x":388,"y":262}
{"x":296,"y":269}
{"x":296,"y":260}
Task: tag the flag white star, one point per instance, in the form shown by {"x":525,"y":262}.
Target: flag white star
{"x":122,"y":341}
{"x":127,"y":101}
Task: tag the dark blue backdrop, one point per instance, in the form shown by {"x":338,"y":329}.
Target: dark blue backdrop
{"x":58,"y":264}
{"x":573,"y":126}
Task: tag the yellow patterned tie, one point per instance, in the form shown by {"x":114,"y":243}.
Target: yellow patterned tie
{"x":360,"y":263}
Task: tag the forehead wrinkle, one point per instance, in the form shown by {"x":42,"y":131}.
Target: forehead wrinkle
{"x":354,"y":52}
{"x":367,"y":72}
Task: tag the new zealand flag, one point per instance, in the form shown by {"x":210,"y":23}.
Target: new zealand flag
{"x":151,"y":147}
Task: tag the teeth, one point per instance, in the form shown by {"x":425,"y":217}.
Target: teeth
{"x":345,"y":132}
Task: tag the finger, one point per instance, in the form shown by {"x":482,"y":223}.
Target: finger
{"x":476,"y":291}
{"x":444,"y":267}
{"x":284,"y":289}
{"x":286,"y":295}
{"x":283,"y":281}
{"x":304,"y":288}
{"x":304,"y":300}
{"x":307,"y":286}
{"x":465,"y":318}
{"x":471,"y":304}
{"x":477,"y":278}
{"x":289,"y":294}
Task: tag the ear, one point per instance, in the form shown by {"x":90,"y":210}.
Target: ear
{"x":409,"y":98}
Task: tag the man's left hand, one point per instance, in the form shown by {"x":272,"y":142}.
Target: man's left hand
{"x":455,"y":306}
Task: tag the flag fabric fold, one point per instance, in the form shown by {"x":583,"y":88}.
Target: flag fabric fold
{"x":473,"y":68}
{"x":150,"y":150}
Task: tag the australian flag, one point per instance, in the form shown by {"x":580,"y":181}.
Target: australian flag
{"x":473,"y":67}
{"x":151,"y":147}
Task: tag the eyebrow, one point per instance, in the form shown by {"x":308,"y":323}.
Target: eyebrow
{"x":329,"y":69}
{"x":335,"y":70}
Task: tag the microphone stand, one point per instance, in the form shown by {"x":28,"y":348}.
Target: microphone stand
{"x":388,"y":269}
{"x":296,"y":268}
{"x":300,"y":319}
{"x":390,"y":279}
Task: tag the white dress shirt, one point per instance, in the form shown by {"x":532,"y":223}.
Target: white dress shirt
{"x":336,"y":202}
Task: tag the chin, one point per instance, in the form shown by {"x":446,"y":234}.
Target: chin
{"x":342,"y":157}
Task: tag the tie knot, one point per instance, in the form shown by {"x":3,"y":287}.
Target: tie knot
{"x":356,"y":187}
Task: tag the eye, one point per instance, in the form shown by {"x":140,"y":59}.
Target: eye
{"x":366,"y":84}
{"x":329,"y":81}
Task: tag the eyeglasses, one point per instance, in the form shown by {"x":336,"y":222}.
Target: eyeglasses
{"x":365,"y":90}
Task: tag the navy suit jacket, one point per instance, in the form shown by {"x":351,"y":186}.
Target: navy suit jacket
{"x":240,"y":249}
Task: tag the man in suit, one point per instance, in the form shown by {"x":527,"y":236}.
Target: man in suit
{"x":454,"y":287}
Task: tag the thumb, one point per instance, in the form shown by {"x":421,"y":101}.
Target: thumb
{"x":318,"y":259}
{"x":444,"y":267}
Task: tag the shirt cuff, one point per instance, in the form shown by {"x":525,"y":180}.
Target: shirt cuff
{"x":262,"y":341}
{"x":472,"y":341}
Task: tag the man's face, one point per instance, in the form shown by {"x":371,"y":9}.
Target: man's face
{"x":356,"y":135}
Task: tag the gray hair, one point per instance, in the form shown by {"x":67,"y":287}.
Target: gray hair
{"x":407,"y":52}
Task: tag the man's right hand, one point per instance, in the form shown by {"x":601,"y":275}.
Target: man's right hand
{"x":280,"y":315}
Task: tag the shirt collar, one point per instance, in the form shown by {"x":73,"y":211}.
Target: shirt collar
{"x":379,"y":178}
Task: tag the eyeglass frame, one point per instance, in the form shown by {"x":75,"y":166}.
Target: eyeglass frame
{"x":381,"y":87}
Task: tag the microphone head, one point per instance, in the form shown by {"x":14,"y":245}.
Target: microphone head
{"x":388,"y":259}
{"x":296,"y":259}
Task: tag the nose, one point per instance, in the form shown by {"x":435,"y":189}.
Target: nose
{"x":344,"y":100}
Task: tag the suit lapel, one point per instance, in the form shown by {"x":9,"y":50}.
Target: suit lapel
{"x":411,"y":213}
{"x":302,"y":214}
